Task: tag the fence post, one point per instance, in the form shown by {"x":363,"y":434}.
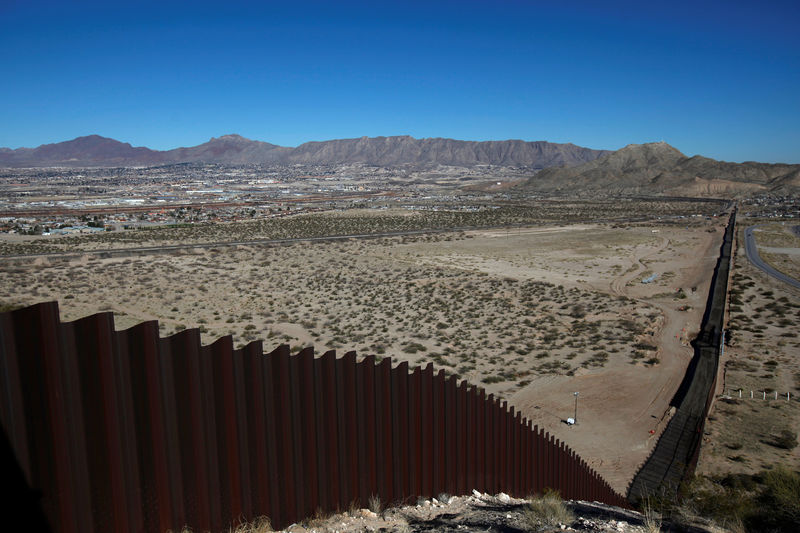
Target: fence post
{"x":241,"y":498}
{"x":365,"y":379}
{"x":304,"y":433}
{"x":480,"y":450}
{"x":285,"y":509}
{"x":414,"y":434}
{"x":490,"y":445}
{"x":439,"y":435}
{"x":502,"y":430}
{"x":346,"y":407}
{"x":327,"y":451}
{"x":427,"y":429}
{"x":471,"y":435}
{"x":400,"y":430}
{"x":461,"y":444}
{"x":385,"y":442}
{"x":212,"y":428}
{"x":260,"y":446}
{"x":525,"y":457}
{"x":517,"y":423}
{"x":182,"y":402}
{"x":451,"y":439}
{"x":134,"y":436}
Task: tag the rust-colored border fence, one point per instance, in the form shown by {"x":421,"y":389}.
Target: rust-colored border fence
{"x":126,"y":431}
{"x":674,"y":458}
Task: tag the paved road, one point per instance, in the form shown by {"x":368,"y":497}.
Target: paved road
{"x":752,"y":254}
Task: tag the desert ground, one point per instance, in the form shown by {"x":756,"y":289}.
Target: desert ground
{"x":532,"y":314}
{"x":745,"y":435}
{"x":623,"y":407}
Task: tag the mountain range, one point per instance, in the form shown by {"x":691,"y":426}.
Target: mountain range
{"x":658,"y":168}
{"x":653,"y":168}
{"x":97,"y":151}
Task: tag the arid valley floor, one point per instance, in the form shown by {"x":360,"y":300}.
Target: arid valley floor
{"x":531,"y":312}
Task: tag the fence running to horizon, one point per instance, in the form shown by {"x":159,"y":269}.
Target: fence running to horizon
{"x":127,"y":431}
{"x":674,"y":458}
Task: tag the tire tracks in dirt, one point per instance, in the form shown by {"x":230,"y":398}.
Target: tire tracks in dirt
{"x":664,"y":335}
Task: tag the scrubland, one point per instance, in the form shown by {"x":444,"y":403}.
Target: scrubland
{"x":531,"y":312}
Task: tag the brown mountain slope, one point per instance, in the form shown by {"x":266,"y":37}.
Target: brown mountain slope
{"x":405,"y":150}
{"x":658,"y":168}
{"x":229,"y":149}
{"x":234,"y":149}
{"x":92,"y":150}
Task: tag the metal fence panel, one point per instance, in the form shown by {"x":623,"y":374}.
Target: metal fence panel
{"x":127,"y":431}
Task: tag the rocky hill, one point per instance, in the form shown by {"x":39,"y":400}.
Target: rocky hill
{"x":89,"y":151}
{"x":658,"y":168}
{"x":228,"y":149}
{"x":400,"y":151}
{"x":234,"y":149}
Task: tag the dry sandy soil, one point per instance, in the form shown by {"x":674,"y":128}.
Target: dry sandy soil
{"x":623,"y":408}
{"x":745,"y":435}
{"x":531,"y":314}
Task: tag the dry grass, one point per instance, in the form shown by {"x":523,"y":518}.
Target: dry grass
{"x":261,"y":524}
{"x":652,"y":519}
{"x":375,"y":504}
{"x":546,"y":511}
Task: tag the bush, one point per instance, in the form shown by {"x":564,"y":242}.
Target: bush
{"x":780,"y":500}
{"x":786,"y":440}
{"x":414,"y":347}
{"x":765,"y":502}
{"x":546,"y":511}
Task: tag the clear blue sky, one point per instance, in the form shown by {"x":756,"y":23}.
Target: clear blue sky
{"x":721,"y":78}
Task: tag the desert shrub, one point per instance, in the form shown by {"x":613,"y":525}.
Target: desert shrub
{"x":764,"y":502}
{"x":261,"y":524}
{"x":546,"y":511}
{"x":645,"y":346}
{"x":414,"y":347}
{"x":779,"y":502}
{"x":786,"y":440}
{"x":578,"y":311}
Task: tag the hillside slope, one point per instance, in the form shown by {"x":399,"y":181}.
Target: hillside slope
{"x":658,"y":168}
{"x":94,"y":150}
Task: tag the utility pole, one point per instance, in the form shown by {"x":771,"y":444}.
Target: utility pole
{"x":575,"y":418}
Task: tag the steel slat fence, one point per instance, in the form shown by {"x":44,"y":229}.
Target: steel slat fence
{"x":674,"y":458}
{"x":127,"y":431}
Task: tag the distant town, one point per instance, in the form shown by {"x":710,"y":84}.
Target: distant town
{"x":66,"y":201}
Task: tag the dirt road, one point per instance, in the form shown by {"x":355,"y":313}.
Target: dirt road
{"x":623,"y":408}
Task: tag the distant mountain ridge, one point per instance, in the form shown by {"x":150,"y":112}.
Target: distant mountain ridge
{"x":658,"y":168}
{"x":652,"y":168}
{"x":94,"y":150}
